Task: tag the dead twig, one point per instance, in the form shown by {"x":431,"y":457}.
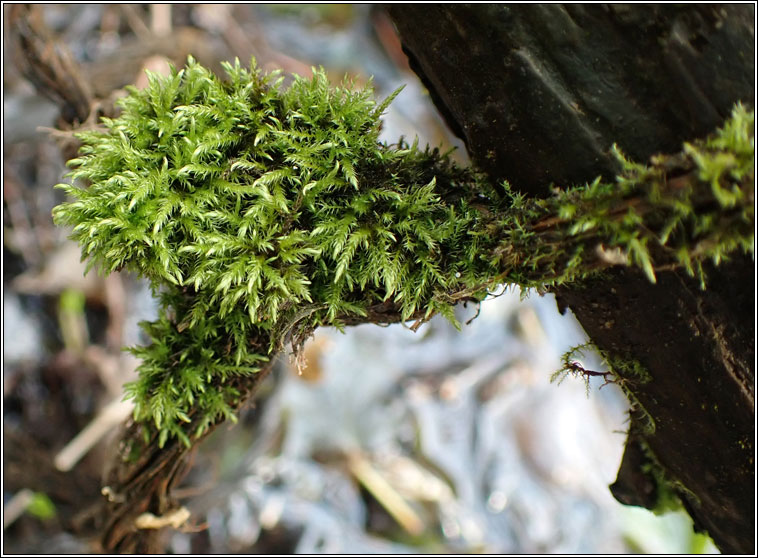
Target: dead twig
{"x":143,"y":477}
{"x":48,"y":64}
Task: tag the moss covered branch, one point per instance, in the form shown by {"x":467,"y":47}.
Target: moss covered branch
{"x":259,"y":213}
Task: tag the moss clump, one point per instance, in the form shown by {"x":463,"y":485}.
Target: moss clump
{"x":262,"y":198}
{"x":259,"y":212}
{"x":244,"y":204}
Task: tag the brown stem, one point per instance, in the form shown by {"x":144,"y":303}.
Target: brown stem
{"x":143,"y":475}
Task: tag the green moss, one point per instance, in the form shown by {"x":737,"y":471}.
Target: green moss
{"x":669,"y":492}
{"x":646,"y":219}
{"x":623,"y":371}
{"x":259,"y":213}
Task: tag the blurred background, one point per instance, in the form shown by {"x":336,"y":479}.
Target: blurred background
{"x":387,"y":441}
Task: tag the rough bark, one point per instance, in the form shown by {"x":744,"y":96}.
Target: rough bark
{"x":539,"y":93}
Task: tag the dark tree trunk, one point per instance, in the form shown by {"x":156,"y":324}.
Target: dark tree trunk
{"x":539,"y":93}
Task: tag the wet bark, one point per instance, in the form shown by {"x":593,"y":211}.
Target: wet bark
{"x":539,"y":93}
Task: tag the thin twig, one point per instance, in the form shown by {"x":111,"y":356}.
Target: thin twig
{"x":112,"y":415}
{"x":48,"y":64}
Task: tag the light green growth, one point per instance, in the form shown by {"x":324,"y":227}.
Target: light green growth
{"x":41,"y":506}
{"x":572,"y":366}
{"x":669,"y":492}
{"x":622,"y":369}
{"x":730,"y":153}
{"x":72,"y":321}
{"x":259,"y":213}
{"x":73,"y":301}
{"x":627,"y":368}
{"x":647,"y":218}
{"x":625,"y":372}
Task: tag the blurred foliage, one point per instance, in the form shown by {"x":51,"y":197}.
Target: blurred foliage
{"x":334,"y":15}
{"x":41,"y":506}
